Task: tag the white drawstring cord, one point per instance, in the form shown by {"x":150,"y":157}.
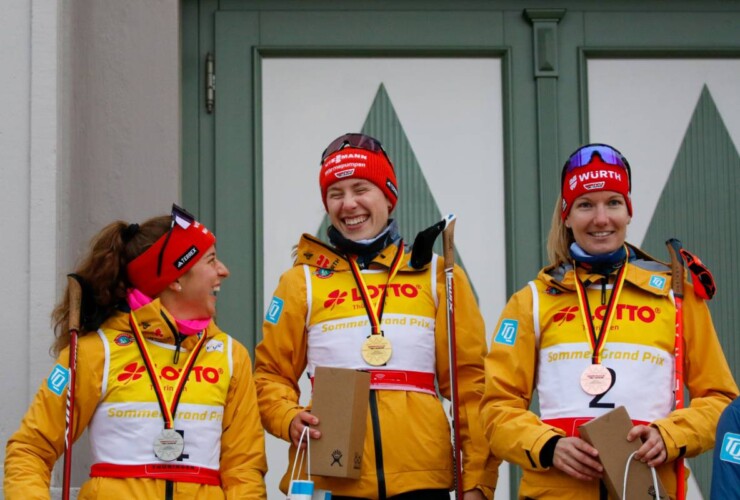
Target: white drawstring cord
{"x":626,"y":473}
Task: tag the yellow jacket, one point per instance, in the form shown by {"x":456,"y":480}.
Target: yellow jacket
{"x":540,"y":343}
{"x":105,"y":374}
{"x":414,"y":431}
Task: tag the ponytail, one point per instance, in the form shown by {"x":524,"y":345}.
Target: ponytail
{"x":103,"y":273}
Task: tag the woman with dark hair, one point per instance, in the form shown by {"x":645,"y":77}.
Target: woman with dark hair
{"x":596,"y":330}
{"x":358,"y":303}
{"x":166,"y":396}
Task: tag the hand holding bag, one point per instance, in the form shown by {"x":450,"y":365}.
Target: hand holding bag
{"x":303,"y":489}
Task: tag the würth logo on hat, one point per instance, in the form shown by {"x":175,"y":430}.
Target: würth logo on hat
{"x":183,"y":260}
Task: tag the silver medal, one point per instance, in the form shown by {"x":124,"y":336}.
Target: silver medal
{"x":168,"y":446}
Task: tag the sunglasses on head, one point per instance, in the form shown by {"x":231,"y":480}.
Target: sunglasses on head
{"x":182,"y":218}
{"x":359,"y":141}
{"x":584,"y":155}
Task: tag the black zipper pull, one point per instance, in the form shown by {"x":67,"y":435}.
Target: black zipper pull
{"x":603,"y":290}
{"x":178,"y":342}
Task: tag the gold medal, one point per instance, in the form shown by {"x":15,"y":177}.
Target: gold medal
{"x":596,"y":379}
{"x":376,"y":350}
{"x":168,"y":446}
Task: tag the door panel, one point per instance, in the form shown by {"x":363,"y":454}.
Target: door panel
{"x":440,"y":115}
{"x":427,"y":112}
{"x":676,"y":120}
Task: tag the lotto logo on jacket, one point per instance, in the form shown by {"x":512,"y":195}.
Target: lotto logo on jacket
{"x":408,"y":290}
{"x":135,"y":371}
{"x":624,"y":312}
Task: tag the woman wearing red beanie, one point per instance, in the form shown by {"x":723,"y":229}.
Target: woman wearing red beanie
{"x":167,"y":398}
{"x":360,"y":289}
{"x":594,"y":331}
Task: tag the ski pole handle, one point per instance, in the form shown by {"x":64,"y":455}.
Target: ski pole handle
{"x":74,"y":298}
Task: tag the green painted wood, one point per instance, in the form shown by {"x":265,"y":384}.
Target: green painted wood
{"x":546,"y":73}
{"x":662,"y":29}
{"x":378,"y":29}
{"x":523,"y":220}
{"x":690,"y":6}
{"x":190,"y":111}
{"x":236,"y":210}
{"x":198,"y":174}
{"x":699,"y":206}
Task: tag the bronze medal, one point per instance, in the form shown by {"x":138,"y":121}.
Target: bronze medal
{"x":169,"y":445}
{"x":596,"y":379}
{"x":376,"y":350}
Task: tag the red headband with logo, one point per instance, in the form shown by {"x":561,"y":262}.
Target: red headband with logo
{"x":172,"y":255}
{"x":356,"y":163}
{"x":593,"y":177}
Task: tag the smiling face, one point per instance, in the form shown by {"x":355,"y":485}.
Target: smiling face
{"x":193,"y":295}
{"x":599,"y":221}
{"x":357,"y":208}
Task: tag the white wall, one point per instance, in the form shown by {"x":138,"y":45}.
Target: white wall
{"x":28,"y":144}
{"x":89,"y":133}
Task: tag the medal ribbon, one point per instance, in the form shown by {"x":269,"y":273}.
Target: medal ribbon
{"x":597,"y":342}
{"x":168,"y":411}
{"x":375,"y":310}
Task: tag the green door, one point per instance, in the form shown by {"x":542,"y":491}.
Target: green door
{"x":478,"y":104}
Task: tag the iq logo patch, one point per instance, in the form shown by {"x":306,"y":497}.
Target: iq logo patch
{"x":507,"y":332}
{"x":657,"y":282}
{"x":730,"y":448}
{"x":58,"y":379}
{"x":274,"y":311}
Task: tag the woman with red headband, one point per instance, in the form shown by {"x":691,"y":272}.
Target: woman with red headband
{"x":407,"y":451}
{"x":594,"y":331}
{"x":167,"y":398}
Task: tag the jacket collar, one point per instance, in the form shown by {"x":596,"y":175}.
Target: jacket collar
{"x":155,"y":322}
{"x":315,"y":253}
{"x":641,"y":272}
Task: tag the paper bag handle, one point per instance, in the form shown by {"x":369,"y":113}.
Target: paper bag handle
{"x":305,"y":453}
{"x":626,"y":473}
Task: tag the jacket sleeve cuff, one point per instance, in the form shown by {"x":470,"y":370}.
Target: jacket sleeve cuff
{"x":486,"y":490}
{"x":483,"y":480}
{"x":547,"y":453}
{"x":285,"y":424}
{"x":535,"y":454}
{"x":675,"y":444}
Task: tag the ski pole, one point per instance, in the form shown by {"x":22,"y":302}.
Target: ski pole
{"x":74,"y":296}
{"x":448,"y":239}
{"x":677,"y":277}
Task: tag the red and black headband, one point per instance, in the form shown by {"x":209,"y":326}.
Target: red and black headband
{"x":172,"y":255}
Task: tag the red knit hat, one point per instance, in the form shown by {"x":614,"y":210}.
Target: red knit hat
{"x":172,"y":255}
{"x":357,"y":163}
{"x":595,"y":175}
